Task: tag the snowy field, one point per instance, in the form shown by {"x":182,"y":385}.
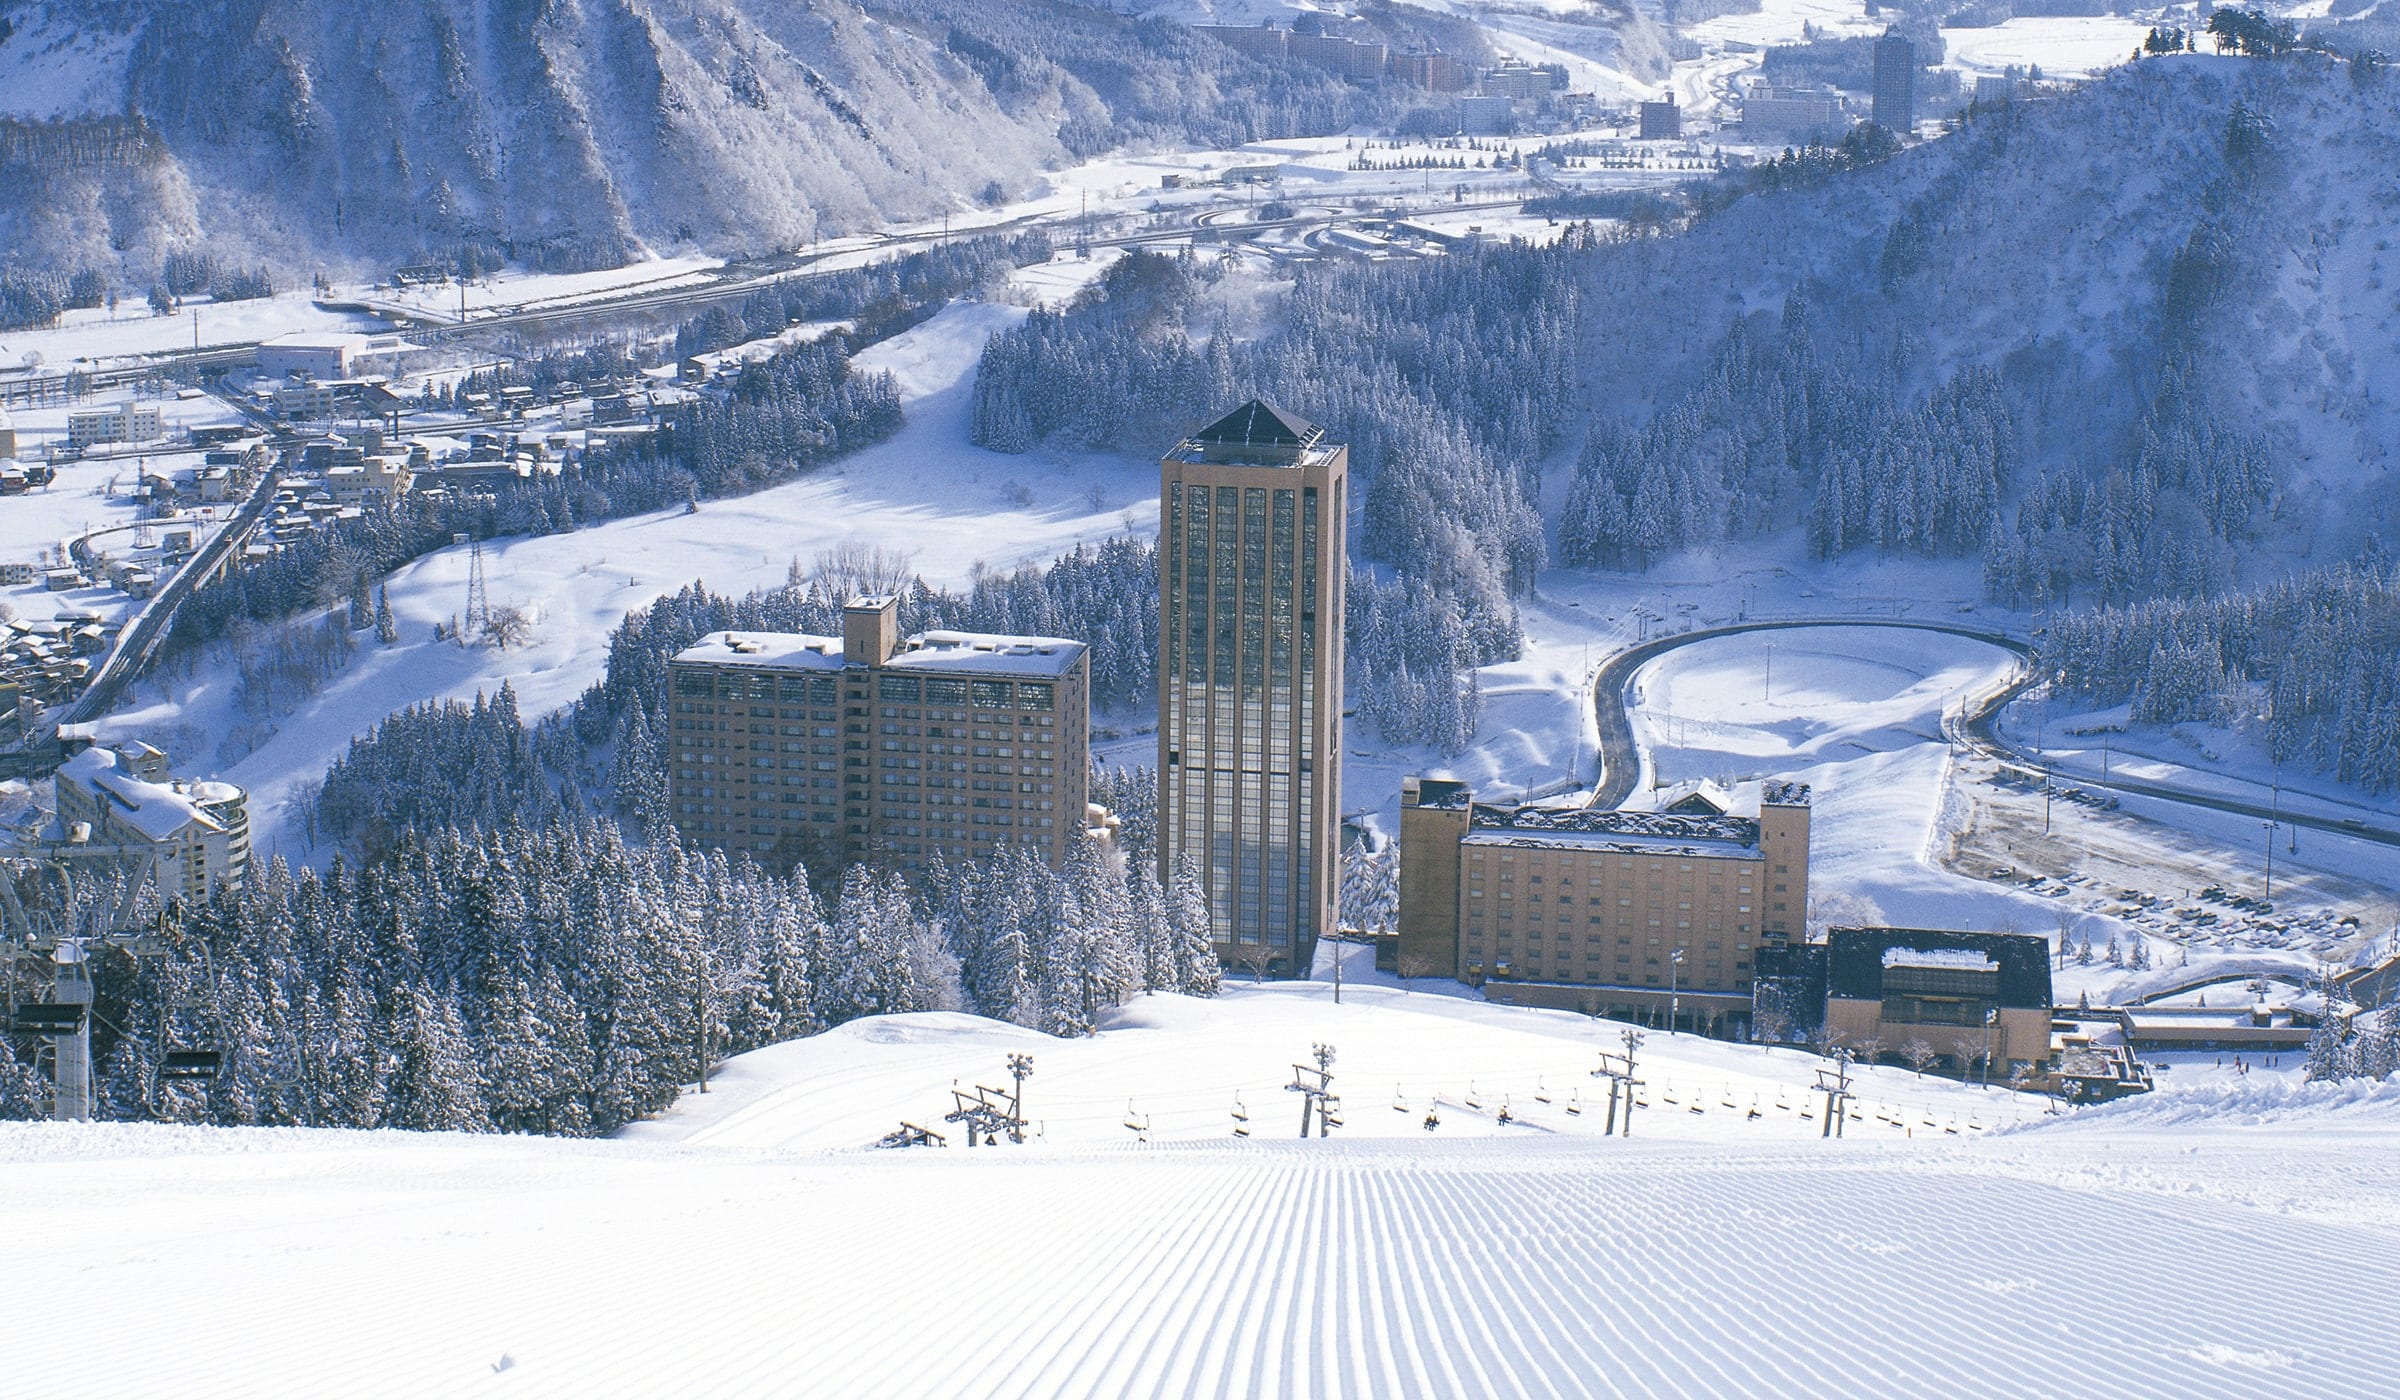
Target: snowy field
{"x":101,"y":335}
{"x":529,"y":291}
{"x":2061,"y":46}
{"x":742,"y":1247}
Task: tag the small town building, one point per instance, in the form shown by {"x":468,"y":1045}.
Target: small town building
{"x":125,"y":422}
{"x":1662,"y":121}
{"x":315,"y":354}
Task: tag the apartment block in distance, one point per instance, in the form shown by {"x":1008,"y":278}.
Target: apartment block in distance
{"x":1587,"y":909}
{"x":1252,"y":554}
{"x":871,"y":746}
{"x":198,"y":830}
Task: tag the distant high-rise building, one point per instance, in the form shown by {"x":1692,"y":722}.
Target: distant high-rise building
{"x":1662,"y":121}
{"x":1252,"y":557}
{"x":1895,"y":83}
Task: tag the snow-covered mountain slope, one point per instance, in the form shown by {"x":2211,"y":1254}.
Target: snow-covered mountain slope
{"x":2178,"y":1247}
{"x":565,"y":132}
{"x":2076,"y":245}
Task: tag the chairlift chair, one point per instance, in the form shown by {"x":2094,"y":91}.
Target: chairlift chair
{"x":1575,"y":1105}
{"x":204,"y":1063}
{"x":1541,"y":1091}
{"x":1399,"y":1104}
{"x":1471,"y":1101}
{"x":48,"y":1017}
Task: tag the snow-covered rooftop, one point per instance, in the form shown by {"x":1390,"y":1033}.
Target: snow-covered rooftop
{"x":1635,"y":833}
{"x":989,"y":653}
{"x":157,"y":810}
{"x":1950,"y":959}
{"x":978,"y":651}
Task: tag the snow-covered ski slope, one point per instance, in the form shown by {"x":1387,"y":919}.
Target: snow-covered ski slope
{"x":2180,"y":1247}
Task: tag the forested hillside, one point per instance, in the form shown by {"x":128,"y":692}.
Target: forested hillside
{"x":2156,"y":314}
{"x":571,"y":135}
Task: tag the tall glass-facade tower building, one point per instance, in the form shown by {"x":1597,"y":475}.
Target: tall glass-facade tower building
{"x":1252,"y":556}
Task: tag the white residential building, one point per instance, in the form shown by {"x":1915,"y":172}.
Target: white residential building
{"x":124,"y":796}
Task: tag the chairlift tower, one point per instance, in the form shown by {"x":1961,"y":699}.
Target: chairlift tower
{"x":1834,"y":1084}
{"x":64,"y":1022}
{"x":1618,"y":1070}
{"x":1315,"y":1086}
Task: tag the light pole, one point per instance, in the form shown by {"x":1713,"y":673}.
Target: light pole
{"x":2270,"y":829}
{"x":1770,"y":695}
{"x":1991,"y":1017}
{"x":1674,"y":989}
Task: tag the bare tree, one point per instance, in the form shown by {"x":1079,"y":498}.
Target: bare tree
{"x":1841,"y":909}
{"x":1412,"y":966}
{"x":854,"y":567}
{"x":1918,"y":1054}
{"x":1870,"y":1050}
{"x":508,"y":626}
{"x":1254,"y":958}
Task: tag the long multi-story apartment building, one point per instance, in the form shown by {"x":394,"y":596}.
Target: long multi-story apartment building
{"x":199,"y":830}
{"x":1252,"y":553}
{"x":1623,"y":913}
{"x":871,"y":746}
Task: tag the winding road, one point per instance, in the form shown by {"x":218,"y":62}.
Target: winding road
{"x":1977,"y":727}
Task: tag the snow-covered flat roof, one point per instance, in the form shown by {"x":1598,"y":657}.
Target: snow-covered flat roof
{"x":1952,"y":959}
{"x":156,"y":810}
{"x":317,"y":340}
{"x":781,"y":651}
{"x":1630,"y":833}
{"x":1624,"y":843}
{"x":988,"y":653}
{"x":983,"y":652}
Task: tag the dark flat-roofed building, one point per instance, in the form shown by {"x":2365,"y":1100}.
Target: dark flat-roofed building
{"x":1947,"y":988}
